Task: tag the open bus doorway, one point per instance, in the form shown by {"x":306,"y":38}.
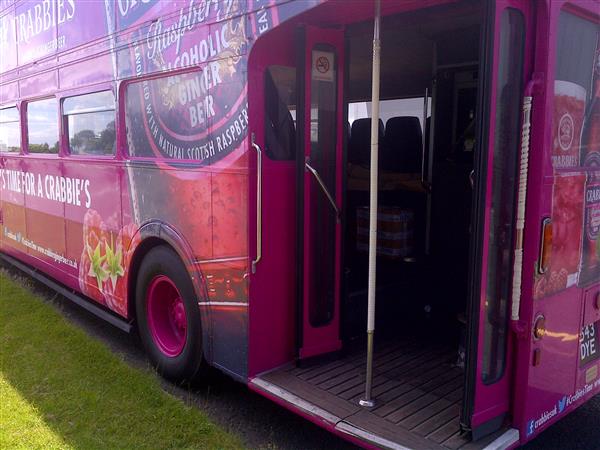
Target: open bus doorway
{"x":427,"y":145}
{"x":429,"y":79}
{"x":429,"y":91}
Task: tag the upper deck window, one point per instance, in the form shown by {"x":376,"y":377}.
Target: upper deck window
{"x":42,"y":126}
{"x":90,"y":123}
{"x":10,"y":130}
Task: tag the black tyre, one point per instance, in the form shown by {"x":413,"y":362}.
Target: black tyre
{"x":168,"y":315}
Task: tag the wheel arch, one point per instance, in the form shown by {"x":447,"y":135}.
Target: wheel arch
{"x":157,"y":233}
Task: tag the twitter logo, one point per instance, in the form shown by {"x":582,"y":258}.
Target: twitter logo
{"x":561,"y":404}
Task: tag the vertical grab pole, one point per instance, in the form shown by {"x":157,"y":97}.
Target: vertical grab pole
{"x":367,"y":401}
{"x":423,"y":136}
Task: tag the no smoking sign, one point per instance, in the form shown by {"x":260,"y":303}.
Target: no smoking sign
{"x":323,"y":66}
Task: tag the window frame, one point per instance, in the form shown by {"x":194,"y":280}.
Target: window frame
{"x":64,"y":129}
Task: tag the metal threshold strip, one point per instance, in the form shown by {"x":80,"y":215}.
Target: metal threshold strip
{"x":313,"y":410}
{"x":506,"y":440}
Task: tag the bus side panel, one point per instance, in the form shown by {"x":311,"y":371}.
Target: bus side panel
{"x":553,"y":377}
{"x":45,"y":209}
{"x":189,"y":170}
{"x":555,"y":374}
{"x":188,"y":137}
{"x":9,"y":92}
{"x":12,"y":206}
{"x":94,"y":227}
{"x":94,"y":70}
{"x":588,"y":379}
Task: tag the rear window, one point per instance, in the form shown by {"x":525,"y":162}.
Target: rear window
{"x":10,"y":130}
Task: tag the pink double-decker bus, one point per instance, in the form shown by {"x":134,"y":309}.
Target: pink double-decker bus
{"x":203,"y":171}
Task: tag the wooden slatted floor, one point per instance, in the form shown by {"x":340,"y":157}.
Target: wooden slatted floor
{"x":417,"y":387}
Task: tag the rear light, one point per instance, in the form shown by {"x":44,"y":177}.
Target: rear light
{"x":546,"y":245}
{"x":539,"y":327}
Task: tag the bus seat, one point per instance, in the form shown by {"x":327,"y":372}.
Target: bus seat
{"x":359,"y":147}
{"x":404,"y":145}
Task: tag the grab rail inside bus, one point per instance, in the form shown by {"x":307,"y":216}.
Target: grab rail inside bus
{"x":312,"y":170}
{"x":258,"y":203}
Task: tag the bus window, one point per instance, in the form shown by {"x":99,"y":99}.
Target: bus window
{"x":506,"y":143}
{"x":280,"y":112}
{"x":42,"y":127}
{"x":575,"y":146}
{"x":10,"y":130}
{"x":90,"y":124}
{"x":178,"y":110}
{"x":574,"y":91}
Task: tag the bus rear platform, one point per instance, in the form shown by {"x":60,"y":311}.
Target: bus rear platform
{"x":417,"y":388}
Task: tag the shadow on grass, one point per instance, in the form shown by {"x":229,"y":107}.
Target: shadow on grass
{"x":64,"y":381}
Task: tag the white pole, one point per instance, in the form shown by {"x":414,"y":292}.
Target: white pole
{"x":367,"y":401}
{"x":518,"y":262}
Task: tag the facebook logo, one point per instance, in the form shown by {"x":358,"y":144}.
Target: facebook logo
{"x":530,"y":428}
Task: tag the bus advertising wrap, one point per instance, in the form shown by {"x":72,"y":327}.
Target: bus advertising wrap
{"x":37,"y":29}
{"x":186,"y":135}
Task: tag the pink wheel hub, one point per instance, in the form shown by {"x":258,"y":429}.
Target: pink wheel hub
{"x":166,"y":316}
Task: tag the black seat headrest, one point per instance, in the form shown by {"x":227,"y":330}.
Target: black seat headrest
{"x":359,"y":148}
{"x":403,"y":137}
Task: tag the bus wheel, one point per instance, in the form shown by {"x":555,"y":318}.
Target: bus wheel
{"x":168,"y":316}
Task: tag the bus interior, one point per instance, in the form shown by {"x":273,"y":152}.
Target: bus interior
{"x":429,"y":96}
{"x":429,"y":77}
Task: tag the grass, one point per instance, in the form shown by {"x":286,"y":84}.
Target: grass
{"x":60,"y":388}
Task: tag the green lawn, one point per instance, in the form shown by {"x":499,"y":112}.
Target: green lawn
{"x":60,"y":388}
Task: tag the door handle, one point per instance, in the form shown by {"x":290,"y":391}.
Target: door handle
{"x":258,"y":204}
{"x":312,"y":170}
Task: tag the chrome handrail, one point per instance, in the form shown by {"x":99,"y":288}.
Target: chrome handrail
{"x":258,"y":203}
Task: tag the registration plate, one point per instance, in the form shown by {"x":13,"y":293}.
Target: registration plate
{"x":589,"y":344}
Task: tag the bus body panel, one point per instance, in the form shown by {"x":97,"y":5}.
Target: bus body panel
{"x":199,"y":205}
{"x":547,"y":390}
{"x":200,"y":199}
